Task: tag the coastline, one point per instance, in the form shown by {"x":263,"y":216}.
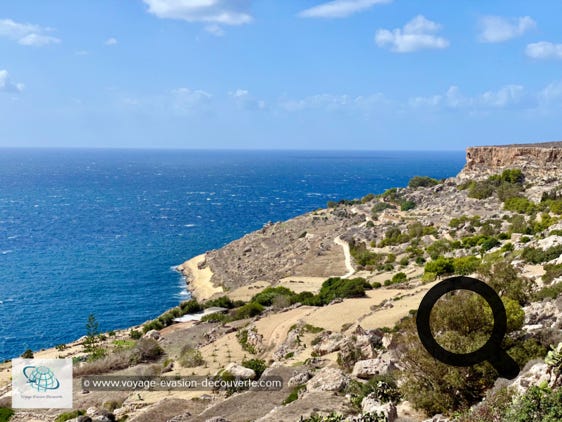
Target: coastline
{"x":198,"y":278}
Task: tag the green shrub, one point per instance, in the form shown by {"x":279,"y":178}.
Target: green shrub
{"x":399,"y":278}
{"x":407,"y":205}
{"x":440,"y":266}
{"x":381,"y":206}
{"x":548,"y":292}
{"x":336,"y":287}
{"x":135,"y":334}
{"x":242,"y":337}
{"x":506,"y":280}
{"x":376,"y":285}
{"x":538,"y":404}
{"x":362,"y":255}
{"x":28,"y":354}
{"x":249,"y":310}
{"x":465,"y":265}
{"x":422,"y":181}
{"x":268,"y":295}
{"x":552,"y":271}
{"x":404,"y":261}
{"x":538,"y":256}
{"x":257,"y":365}
{"x":438,"y":248}
{"x":63,"y":417}
{"x":190,"y":307}
{"x":480,"y":190}
{"x":5,"y":414}
{"x":519,"y":204}
{"x":294,"y":394}
{"x":190,"y":357}
{"x":221,"y":302}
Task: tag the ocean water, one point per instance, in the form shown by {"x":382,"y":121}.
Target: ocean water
{"x":99,"y":231}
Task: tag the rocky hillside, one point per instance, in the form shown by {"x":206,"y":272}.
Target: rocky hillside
{"x":347,"y":347}
{"x":542,"y":160}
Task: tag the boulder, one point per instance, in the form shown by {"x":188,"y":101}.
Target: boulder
{"x":240,"y":371}
{"x":299,"y":378}
{"x":154,"y":334}
{"x":365,"y":369}
{"x":327,"y":379}
{"x":370,"y":404}
{"x":329,"y":342}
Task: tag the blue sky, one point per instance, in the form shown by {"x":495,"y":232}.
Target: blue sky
{"x":304,"y":74}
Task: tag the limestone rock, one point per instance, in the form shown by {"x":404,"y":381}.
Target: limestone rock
{"x":240,"y":371}
{"x":327,"y":379}
{"x":365,"y":369}
{"x":371,"y":404}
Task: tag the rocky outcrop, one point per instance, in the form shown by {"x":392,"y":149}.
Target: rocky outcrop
{"x":536,"y":160}
{"x":327,"y":379}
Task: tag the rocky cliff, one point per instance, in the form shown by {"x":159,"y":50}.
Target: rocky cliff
{"x":536,"y":160}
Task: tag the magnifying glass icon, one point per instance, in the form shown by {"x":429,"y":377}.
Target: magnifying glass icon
{"x":491,"y":351}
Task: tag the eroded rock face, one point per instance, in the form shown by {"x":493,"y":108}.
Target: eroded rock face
{"x":536,"y":160}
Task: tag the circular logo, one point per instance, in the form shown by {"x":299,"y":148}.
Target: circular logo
{"x":491,"y":351}
{"x":41,"y":378}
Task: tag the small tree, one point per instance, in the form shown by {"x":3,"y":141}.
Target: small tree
{"x":92,"y":331}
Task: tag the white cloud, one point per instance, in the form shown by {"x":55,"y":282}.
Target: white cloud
{"x":226,"y":12}
{"x":111,"y":41}
{"x":331,"y":102}
{"x":495,"y":29}
{"x":544,"y":50}
{"x":38,"y":40}
{"x":551,"y":93}
{"x":340,"y":8}
{"x":506,"y":96}
{"x":418,"y":34}
{"x":26,"y":34}
{"x":6,"y":85}
{"x":185,"y":99}
{"x":215,"y":30}
{"x":245,"y":100}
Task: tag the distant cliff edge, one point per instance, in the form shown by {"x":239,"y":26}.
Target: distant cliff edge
{"x":538,"y":160}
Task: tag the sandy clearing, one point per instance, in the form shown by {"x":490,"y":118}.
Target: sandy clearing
{"x":199,"y":283}
{"x":245,"y":293}
{"x":300,"y":284}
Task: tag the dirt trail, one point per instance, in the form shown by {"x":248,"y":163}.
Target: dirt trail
{"x":347,"y":254}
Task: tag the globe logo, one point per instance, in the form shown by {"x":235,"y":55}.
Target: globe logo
{"x":41,"y":378}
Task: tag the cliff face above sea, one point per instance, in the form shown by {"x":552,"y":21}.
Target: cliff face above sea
{"x":542,"y":160}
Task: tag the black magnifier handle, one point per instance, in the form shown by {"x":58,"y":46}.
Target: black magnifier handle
{"x":504,"y":364}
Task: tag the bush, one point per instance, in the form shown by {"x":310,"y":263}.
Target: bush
{"x":257,"y":365}
{"x":519,"y":204}
{"x":422,"y":181}
{"x":407,"y":205}
{"x":480,"y":190}
{"x":294,"y":394}
{"x":362,"y":255}
{"x":552,"y":271}
{"x":336,"y":287}
{"x":190,"y":357}
{"x":538,"y":256}
{"x":404,"y":261}
{"x":249,"y":310}
{"x":63,"y":417}
{"x":5,"y":414}
{"x":376,"y":285}
{"x":548,"y":292}
{"x":538,"y":404}
{"x":268,"y":295}
{"x":147,"y":349}
{"x":242,"y":337}
{"x":221,"y":302}
{"x":440,"y":266}
{"x":465,"y":265}
{"x":506,"y":280}
{"x":438,"y":248}
{"x":399,"y":278}
{"x":28,"y":354}
{"x":135,"y":334}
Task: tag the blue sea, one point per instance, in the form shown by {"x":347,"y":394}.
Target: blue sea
{"x":99,"y":231}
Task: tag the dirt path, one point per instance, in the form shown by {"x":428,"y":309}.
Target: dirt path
{"x":347,"y":254}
